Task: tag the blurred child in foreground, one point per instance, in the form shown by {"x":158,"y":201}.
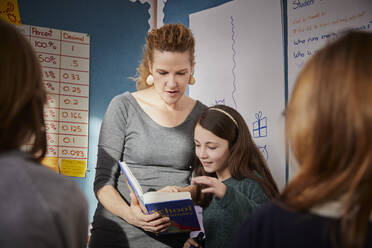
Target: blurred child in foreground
{"x":38,"y":208}
{"x":329,"y":129}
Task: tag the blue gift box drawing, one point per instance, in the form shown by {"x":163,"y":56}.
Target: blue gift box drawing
{"x":264,"y":151}
{"x":260,"y":126}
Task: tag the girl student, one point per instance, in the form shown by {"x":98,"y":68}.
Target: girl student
{"x":231,"y":176}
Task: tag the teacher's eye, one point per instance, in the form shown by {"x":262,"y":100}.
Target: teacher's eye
{"x":162,"y":72}
{"x":212,"y":147}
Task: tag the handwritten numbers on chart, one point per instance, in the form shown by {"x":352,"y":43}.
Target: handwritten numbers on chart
{"x":75,"y":63}
{"x":64,"y":59}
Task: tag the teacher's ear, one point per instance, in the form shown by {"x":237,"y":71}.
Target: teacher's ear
{"x":150,"y":67}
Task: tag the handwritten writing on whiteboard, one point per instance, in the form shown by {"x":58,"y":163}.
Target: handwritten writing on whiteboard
{"x":64,"y":58}
{"x":306,"y":18}
{"x":311,"y":27}
{"x":297,"y":4}
{"x":303,"y":47}
{"x":323,"y":23}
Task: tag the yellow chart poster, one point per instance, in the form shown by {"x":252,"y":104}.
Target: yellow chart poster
{"x":73,"y":168}
{"x":9,"y":11}
{"x":51,"y":162}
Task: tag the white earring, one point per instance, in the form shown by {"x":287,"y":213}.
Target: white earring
{"x":150,"y":80}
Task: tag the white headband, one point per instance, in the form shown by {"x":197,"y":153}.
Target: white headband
{"x":224,"y":112}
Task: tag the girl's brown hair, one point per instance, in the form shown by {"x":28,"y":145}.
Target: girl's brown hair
{"x":244,"y":161}
{"x":22,"y":94}
{"x":169,"y":38}
{"x":329,"y":128}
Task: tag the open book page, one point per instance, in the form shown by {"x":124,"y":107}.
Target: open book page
{"x":132,"y":182}
{"x":153,"y":197}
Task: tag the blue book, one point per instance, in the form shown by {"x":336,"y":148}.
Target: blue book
{"x":178,"y":206}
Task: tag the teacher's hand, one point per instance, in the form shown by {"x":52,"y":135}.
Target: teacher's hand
{"x":148,"y":222}
{"x":169,"y":189}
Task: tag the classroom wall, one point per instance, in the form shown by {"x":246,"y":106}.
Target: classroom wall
{"x":176,"y":11}
{"x":117,"y":29}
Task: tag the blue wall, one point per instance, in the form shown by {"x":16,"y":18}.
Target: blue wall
{"x":118,"y":29}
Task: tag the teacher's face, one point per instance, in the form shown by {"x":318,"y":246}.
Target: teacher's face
{"x":171,"y":72}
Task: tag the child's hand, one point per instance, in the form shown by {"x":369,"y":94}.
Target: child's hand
{"x":191,"y":243}
{"x":214,"y":185}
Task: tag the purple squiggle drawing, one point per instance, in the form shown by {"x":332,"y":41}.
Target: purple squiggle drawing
{"x":233,"y":58}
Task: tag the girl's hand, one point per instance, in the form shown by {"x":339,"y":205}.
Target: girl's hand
{"x":214,"y":185}
{"x":192,"y":242}
{"x":169,"y":189}
{"x":148,"y":222}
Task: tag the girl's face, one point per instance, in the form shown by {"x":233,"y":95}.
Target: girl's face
{"x":171,"y":72}
{"x":212,"y":151}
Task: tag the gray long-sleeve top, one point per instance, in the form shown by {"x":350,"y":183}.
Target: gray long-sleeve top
{"x":38,"y":207}
{"x":157,"y":156}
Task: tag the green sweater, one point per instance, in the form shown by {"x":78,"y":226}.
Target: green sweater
{"x":222,"y":216}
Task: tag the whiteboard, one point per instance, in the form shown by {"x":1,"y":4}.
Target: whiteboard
{"x":239,"y":63}
{"x":311,"y":24}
